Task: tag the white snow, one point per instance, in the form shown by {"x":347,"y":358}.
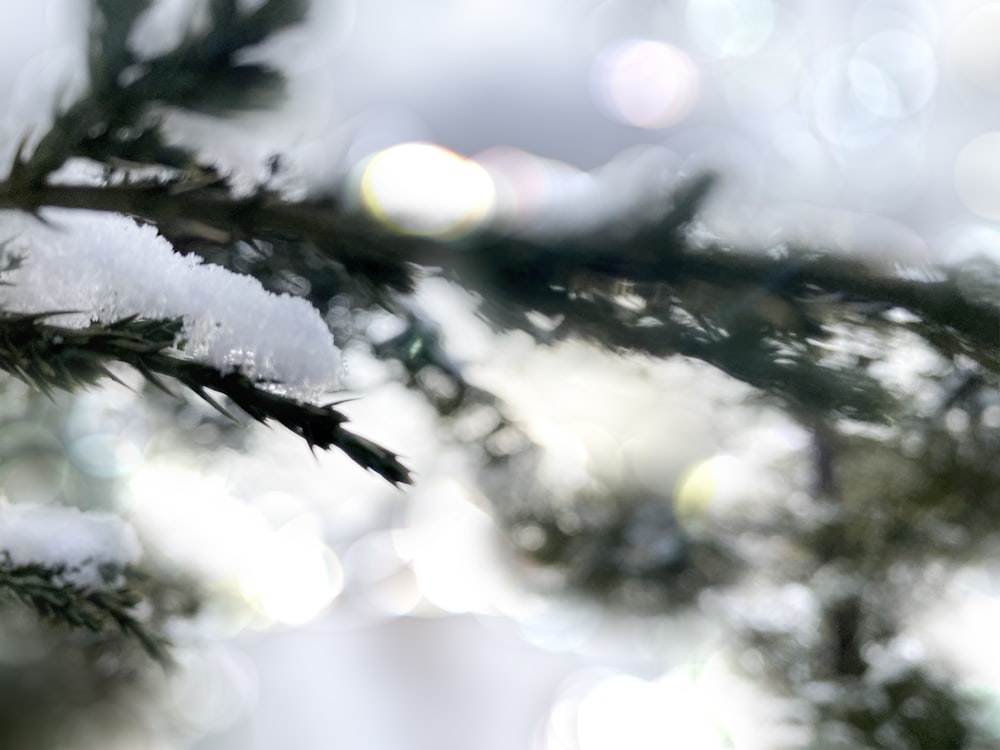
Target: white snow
{"x":105,"y":267}
{"x":90,"y":546}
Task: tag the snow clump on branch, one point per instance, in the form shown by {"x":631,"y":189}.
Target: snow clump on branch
{"x":90,"y":549}
{"x":105,"y":267}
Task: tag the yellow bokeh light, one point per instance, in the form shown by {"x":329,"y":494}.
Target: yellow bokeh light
{"x":644,"y":83}
{"x":421,"y":188}
{"x":703,"y":483}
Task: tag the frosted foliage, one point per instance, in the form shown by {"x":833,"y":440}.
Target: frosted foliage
{"x":91,"y":547}
{"x":107,"y":267}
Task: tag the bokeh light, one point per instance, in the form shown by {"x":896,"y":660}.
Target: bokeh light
{"x":645,"y":83}
{"x":801,"y":161}
{"x":626,"y":711}
{"x":974,"y":51}
{"x":730,"y":28}
{"x":869,"y":17}
{"x":286,"y":574}
{"x":977,"y":175}
{"x":215,"y":688}
{"x":444,"y":528}
{"x":764,"y":84}
{"x":837,"y":101}
{"x":713,"y":481}
{"x":888,"y":175}
{"x":34,"y":468}
{"x":524,"y":183}
{"x":421,"y":188}
{"x":192,"y":518}
{"x":564,"y":466}
{"x":893,"y":73}
{"x":970,"y":605}
{"x":104,"y":455}
{"x":386,"y":581}
{"x":702,"y":705}
{"x":968,"y":241}
{"x":105,"y":432}
{"x":294,"y":575}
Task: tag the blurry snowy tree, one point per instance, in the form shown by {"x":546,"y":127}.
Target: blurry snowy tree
{"x":122,"y":246}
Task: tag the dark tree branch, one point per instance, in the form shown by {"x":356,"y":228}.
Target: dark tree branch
{"x":53,"y":357}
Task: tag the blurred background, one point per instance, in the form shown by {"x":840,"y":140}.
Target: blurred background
{"x":586,"y":531}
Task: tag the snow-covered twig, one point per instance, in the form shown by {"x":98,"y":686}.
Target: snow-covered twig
{"x":50,"y":357}
{"x":69,"y":566}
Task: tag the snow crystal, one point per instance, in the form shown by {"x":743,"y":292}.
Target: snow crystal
{"x":105,"y":267}
{"x":90,"y":547}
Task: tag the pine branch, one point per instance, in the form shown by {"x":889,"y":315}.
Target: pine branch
{"x":57,"y":600}
{"x":659,"y":262}
{"x":204,"y":73}
{"x":52,"y":357}
{"x":767,"y":321}
{"x":116,"y":118}
{"x":360,"y":245}
{"x":520,"y":274}
{"x":762,"y":320}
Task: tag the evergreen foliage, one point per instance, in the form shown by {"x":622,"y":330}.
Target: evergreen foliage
{"x":43,"y":589}
{"x":786,"y":321}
